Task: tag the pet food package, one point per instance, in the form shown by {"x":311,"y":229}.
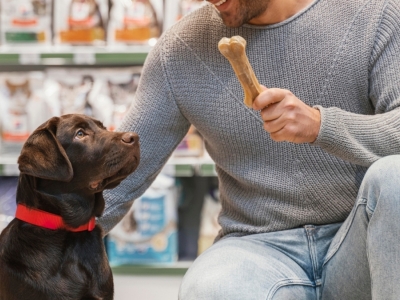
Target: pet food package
{"x":78,"y":91}
{"x":8,"y":206}
{"x":191,"y":145}
{"x":209,"y":226}
{"x":26,"y":21}
{"x":80,"y":22}
{"x":135,"y":21}
{"x":188,"y":6}
{"x":23,"y":105}
{"x":175,"y":10}
{"x":119,"y":87}
{"x":148,"y":233}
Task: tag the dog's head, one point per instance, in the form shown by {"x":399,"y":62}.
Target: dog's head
{"x":72,"y":159}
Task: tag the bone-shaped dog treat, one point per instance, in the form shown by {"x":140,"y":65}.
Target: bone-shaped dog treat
{"x":234,"y":49}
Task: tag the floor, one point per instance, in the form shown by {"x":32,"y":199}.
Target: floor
{"x":130,"y":287}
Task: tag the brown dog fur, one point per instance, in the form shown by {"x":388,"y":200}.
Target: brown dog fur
{"x":65,"y":165}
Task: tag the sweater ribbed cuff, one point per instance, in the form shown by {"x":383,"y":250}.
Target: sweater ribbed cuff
{"x":329,"y":125}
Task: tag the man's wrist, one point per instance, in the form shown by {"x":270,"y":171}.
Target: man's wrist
{"x":317,"y":123}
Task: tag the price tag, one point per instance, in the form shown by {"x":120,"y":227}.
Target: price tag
{"x":85,"y":58}
{"x":29,"y":58}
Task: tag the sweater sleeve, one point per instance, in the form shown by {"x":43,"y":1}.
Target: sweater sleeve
{"x":155,"y":116}
{"x":363,"y":139}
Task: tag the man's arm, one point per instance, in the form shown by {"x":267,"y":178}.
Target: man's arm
{"x":363,"y":139}
{"x":359,"y":139}
{"x":160,"y":125}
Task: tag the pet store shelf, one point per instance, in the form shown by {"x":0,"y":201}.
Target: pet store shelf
{"x":189,"y":166}
{"x":58,"y":56}
{"x":176,"y":166}
{"x":179,"y":268}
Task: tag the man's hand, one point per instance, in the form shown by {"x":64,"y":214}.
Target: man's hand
{"x":286,"y":117}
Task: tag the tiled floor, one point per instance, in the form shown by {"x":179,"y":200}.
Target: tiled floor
{"x":146,"y":287}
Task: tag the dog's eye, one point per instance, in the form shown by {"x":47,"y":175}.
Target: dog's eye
{"x":80,"y":134}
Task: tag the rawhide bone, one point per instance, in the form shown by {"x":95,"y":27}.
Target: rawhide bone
{"x":234,"y":49}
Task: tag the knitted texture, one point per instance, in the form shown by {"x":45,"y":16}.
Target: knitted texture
{"x":340,"y":56}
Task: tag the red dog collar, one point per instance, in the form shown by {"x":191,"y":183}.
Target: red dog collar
{"x":48,"y":220}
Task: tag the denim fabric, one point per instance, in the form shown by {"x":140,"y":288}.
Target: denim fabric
{"x":357,"y":259}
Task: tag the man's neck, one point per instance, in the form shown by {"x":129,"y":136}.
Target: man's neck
{"x":280,"y":10}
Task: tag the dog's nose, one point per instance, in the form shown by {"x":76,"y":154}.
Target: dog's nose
{"x":130,"y":138}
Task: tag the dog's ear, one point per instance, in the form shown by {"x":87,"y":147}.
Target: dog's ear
{"x":43,"y":156}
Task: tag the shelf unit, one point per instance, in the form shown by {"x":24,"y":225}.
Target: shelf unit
{"x":24,"y":56}
{"x":67,"y":56}
{"x":176,"y":166}
{"x":175,"y":269}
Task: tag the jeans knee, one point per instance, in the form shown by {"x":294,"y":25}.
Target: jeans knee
{"x":197,"y":285}
{"x":381,"y":181}
{"x":383,"y":170}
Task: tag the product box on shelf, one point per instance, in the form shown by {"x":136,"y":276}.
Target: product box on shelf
{"x":148,"y":233}
{"x":23,"y":105}
{"x":105,"y":94}
{"x":78,"y":91}
{"x":80,"y":22}
{"x":26,"y":21}
{"x":176,"y":9}
{"x":118,"y":86}
{"x":8,"y":189}
{"x":135,"y":21}
{"x":188,"y":6}
{"x":209,"y":226}
{"x":191,"y":145}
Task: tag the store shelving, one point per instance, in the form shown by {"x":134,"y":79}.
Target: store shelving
{"x":178,"y":268}
{"x":68,"y":55}
{"x":176,"y":166}
{"x":90,"y":55}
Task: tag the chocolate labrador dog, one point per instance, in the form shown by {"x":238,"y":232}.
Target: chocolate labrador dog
{"x":53,"y":250}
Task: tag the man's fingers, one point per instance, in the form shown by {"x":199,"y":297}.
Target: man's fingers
{"x":283,"y":133}
{"x":275,"y":125}
{"x":286,"y":117}
{"x":270,"y":113}
{"x":268,"y":97}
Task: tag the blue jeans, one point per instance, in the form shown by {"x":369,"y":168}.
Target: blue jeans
{"x":357,"y":259}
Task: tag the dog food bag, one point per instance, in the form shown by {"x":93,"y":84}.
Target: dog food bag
{"x":80,"y":22}
{"x":191,"y":145}
{"x":23,"y":105}
{"x":79,"y":91}
{"x":119,"y":86}
{"x":209,"y":226}
{"x":135,"y":21}
{"x":26,"y":21}
{"x":148,"y":233}
{"x":188,"y":6}
{"x":8,"y":206}
{"x":175,"y":10}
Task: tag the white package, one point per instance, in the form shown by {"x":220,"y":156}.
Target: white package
{"x":26,"y":21}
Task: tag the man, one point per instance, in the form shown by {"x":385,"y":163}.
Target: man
{"x":302,"y":218}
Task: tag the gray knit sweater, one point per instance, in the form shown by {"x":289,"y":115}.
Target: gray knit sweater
{"x":340,"y":55}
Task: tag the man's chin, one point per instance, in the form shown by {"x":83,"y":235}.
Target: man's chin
{"x":231,"y":22}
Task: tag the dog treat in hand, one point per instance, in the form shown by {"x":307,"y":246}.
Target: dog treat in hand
{"x":234,"y":49}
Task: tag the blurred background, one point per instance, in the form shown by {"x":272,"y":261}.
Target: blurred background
{"x":86,"y":56}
